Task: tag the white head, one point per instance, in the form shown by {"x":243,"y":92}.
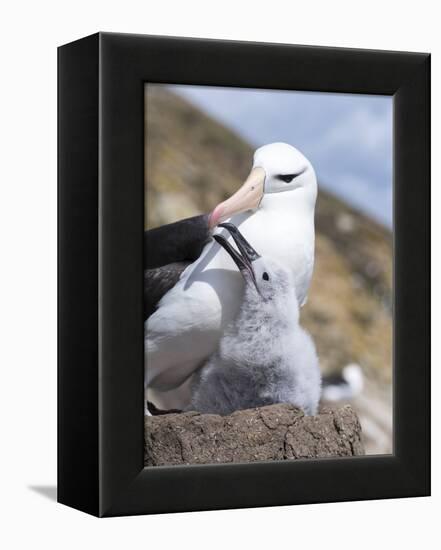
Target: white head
{"x":277,"y":168}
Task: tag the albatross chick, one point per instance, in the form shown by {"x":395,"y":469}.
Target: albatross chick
{"x":264,"y":356}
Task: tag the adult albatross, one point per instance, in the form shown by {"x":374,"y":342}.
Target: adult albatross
{"x":274,"y":209}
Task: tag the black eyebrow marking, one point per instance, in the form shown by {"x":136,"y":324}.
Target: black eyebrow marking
{"x":287,"y":178}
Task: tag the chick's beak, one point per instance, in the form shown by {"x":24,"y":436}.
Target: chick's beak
{"x":243,"y":245}
{"x":242,"y":262}
{"x":248,"y":197}
{"x":244,"y":256}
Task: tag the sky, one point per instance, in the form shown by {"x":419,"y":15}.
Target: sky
{"x":346,"y":137}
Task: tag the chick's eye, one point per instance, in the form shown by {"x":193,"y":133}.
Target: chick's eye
{"x":265,"y":276}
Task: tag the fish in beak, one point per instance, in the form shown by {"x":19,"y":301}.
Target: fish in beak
{"x":248,"y":197}
{"x":244,"y":256}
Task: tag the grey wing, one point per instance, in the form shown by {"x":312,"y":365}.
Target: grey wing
{"x":158,"y":282}
{"x":180,"y":241}
{"x":168,"y":250}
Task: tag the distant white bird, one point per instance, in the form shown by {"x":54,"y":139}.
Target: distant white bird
{"x":264,"y":356}
{"x":274,"y":209}
{"x":346,"y":386}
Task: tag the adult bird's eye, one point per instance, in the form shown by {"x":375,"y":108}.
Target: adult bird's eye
{"x":265,"y":276}
{"x":287,"y":178}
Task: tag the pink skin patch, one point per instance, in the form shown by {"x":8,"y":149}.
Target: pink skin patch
{"x":215,"y":216}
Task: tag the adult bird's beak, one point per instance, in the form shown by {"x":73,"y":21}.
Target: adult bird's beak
{"x":246,"y":255}
{"x":248,"y":197}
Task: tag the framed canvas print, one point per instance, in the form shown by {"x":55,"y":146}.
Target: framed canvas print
{"x":244,"y":260}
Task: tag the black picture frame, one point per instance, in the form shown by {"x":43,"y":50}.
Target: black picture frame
{"x":100,"y":284}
